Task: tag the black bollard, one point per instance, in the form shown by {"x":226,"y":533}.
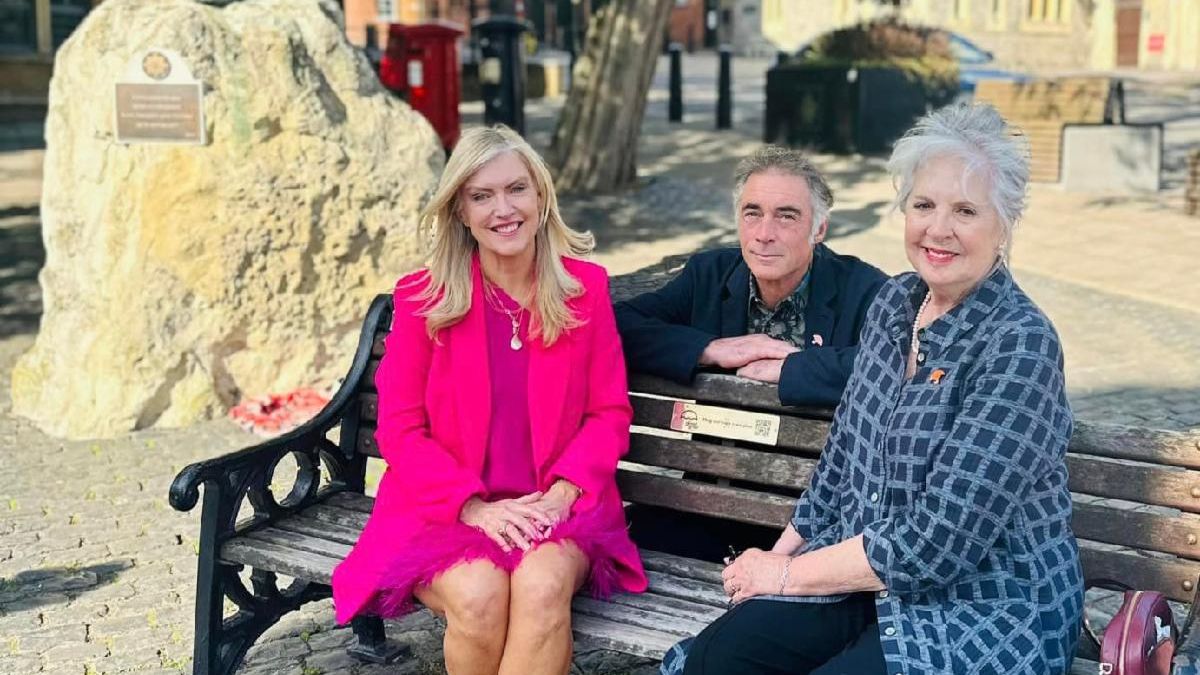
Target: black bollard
{"x":675,"y":104}
{"x":724,"y":95}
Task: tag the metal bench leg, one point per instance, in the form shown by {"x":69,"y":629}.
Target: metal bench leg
{"x":372,"y":645}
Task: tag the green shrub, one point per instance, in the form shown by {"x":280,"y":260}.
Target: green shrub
{"x":921,"y":52}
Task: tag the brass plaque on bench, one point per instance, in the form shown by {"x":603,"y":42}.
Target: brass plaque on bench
{"x":694,"y":418}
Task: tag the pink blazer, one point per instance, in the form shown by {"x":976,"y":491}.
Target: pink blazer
{"x":434,"y":415}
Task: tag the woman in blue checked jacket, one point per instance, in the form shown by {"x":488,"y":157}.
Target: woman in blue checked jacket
{"x":935,"y":536}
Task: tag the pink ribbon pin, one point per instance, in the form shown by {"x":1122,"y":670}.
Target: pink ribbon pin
{"x":818,"y":340}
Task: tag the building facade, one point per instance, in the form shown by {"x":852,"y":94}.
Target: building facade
{"x":1034,"y":35}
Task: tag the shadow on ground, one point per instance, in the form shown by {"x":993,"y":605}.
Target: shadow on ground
{"x":37,"y":588}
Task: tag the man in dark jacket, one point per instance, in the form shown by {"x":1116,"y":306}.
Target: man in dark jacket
{"x":784,"y":308}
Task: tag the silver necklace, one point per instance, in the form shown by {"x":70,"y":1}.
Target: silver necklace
{"x":916,"y":345}
{"x":513,"y":316}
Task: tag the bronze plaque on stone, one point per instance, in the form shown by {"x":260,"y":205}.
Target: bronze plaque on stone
{"x":159,"y":112}
{"x":158,"y":101}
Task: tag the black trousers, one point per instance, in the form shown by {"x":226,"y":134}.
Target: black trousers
{"x":693,"y":536}
{"x":762,"y":637}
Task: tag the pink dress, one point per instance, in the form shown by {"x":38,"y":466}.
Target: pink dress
{"x":509,"y":471}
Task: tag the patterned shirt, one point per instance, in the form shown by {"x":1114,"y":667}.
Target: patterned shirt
{"x":786,"y":321}
{"x":957,"y":481}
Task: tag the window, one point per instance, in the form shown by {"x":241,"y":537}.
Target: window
{"x":18,"y":30}
{"x":1048,"y":11}
{"x":962,"y":11}
{"x":997,"y":16}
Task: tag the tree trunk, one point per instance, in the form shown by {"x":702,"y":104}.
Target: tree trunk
{"x":595,"y":144}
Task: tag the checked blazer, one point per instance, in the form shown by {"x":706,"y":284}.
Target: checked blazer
{"x":957,"y":481}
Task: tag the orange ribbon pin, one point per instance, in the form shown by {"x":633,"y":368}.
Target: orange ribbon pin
{"x":937,"y":375}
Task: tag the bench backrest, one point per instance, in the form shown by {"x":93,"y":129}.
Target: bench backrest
{"x":1041,"y":108}
{"x":1136,"y":491}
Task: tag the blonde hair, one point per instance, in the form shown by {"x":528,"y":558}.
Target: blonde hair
{"x":447,"y":296}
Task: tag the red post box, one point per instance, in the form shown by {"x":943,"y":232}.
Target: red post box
{"x":421,"y":64}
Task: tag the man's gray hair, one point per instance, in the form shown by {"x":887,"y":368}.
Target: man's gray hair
{"x":977,"y":134}
{"x":774,"y":158}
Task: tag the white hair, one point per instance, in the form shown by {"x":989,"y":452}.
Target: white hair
{"x":977,"y":134}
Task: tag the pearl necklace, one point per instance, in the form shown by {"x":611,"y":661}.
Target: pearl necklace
{"x":514,"y":316}
{"x":916,"y":345}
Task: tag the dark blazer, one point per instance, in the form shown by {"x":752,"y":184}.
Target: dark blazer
{"x":665,"y":331}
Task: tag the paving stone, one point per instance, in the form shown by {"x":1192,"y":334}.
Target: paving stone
{"x":19,"y":664}
{"x":42,"y":639}
{"x":75,"y":652}
{"x":277,"y":650}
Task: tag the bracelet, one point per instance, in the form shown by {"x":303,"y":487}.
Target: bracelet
{"x":783,"y":576}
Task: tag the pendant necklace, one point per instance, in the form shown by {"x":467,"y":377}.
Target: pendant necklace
{"x":514,"y":316}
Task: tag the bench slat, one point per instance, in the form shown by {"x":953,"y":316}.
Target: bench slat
{"x":715,"y":389}
{"x":1156,"y":446}
{"x":598,"y":633}
{"x":316,"y":528}
{"x":1162,"y":486}
{"x":687,"y":568}
{"x":1165,"y":575}
{"x":301,"y":542}
{"x":352,"y":501}
{"x":1145,"y":484}
{"x":794,"y":432}
{"x":1137,"y":529}
{"x":280,"y":559}
{"x":718,"y":460}
{"x":701,"y":592}
{"x":746,"y":506}
{"x":681,"y":627}
{"x":337,"y":515}
{"x":669,"y":607}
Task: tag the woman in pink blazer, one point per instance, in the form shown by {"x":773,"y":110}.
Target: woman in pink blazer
{"x":502,"y":414}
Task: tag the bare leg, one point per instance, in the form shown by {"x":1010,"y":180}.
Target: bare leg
{"x":473,"y":597}
{"x":539,"y":619}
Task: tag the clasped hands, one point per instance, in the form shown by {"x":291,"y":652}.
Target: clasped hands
{"x":524,"y":521}
{"x":754,"y":572}
{"x":758,"y":356}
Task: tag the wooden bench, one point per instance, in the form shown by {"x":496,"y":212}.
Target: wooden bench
{"x":1041,"y":108}
{"x":1137,"y":493}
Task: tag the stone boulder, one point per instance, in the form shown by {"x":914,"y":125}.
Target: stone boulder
{"x":180,"y":279}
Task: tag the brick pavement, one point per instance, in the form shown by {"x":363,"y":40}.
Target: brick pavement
{"x":97,"y":572}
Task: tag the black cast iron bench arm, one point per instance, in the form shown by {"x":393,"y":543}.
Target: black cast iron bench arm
{"x":308,"y":442}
